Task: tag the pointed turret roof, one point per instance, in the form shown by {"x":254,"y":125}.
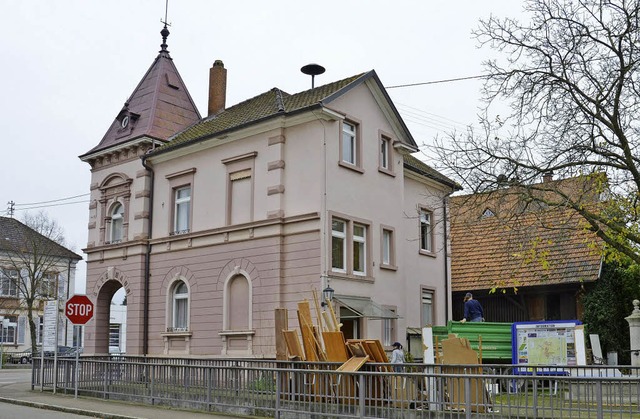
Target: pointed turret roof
{"x":159,"y":106}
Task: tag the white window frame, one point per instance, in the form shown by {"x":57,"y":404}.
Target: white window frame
{"x":426,"y":231}
{"x":360,"y":241}
{"x":342,"y":236}
{"x":389,"y":327}
{"x":115,"y":330}
{"x":384,"y":153}
{"x":9,"y":332}
{"x":427,"y":292}
{"x":387,"y":249}
{"x":181,"y":204}
{"x":350,"y":241}
{"x":48,"y":281}
{"x":10,"y":277}
{"x":117,"y":223}
{"x":350,"y":142}
{"x":175,"y":299}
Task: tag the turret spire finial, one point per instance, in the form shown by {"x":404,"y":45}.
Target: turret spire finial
{"x":165,"y":32}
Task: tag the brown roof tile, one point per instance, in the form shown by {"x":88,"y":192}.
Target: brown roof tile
{"x":264,"y":106}
{"x":17,"y":237}
{"x":538,"y":247}
{"x":413,"y":164}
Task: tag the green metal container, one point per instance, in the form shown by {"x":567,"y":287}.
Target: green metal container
{"x":496,"y":338}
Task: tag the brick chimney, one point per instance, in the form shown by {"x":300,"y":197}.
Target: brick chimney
{"x":217,"y":88}
{"x":547,"y":177}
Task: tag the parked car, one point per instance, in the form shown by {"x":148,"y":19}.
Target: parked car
{"x":23,"y":357}
{"x":26,"y":356}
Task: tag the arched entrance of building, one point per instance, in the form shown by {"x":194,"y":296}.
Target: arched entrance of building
{"x":103,"y":317}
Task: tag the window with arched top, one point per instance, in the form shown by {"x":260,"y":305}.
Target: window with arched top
{"x":117,"y":223}
{"x":180,"y":307}
{"x":238,"y":306}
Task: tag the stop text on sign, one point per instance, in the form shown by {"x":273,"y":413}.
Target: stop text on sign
{"x":79,"y":309}
{"x":82,"y":310}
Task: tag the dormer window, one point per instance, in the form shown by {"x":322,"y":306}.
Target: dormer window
{"x":488,"y":213}
{"x":126,"y":120}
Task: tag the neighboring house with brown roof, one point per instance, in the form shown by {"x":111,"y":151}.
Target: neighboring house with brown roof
{"x":25,"y":254}
{"x":253,"y":206}
{"x":537,"y":260}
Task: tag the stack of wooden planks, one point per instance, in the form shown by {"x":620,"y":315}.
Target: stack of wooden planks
{"x":323,"y":340}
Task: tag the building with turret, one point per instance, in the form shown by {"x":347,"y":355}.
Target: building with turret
{"x":210,"y":223}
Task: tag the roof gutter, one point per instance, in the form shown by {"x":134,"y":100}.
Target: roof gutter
{"x":147,"y":263}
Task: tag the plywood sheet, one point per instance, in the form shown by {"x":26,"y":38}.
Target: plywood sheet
{"x":304,"y":314}
{"x":281,"y":324}
{"x":374,"y":348}
{"x":356,"y":348}
{"x":293,"y":344}
{"x":458,"y":351}
{"x":334,"y":346}
{"x":354,"y":363}
{"x":308,"y":340}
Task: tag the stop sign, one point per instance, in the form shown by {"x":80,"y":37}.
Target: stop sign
{"x":79,"y":309}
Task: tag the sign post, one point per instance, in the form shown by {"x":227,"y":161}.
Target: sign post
{"x":79,"y":310}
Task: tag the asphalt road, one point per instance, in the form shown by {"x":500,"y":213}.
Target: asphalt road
{"x":12,"y":376}
{"x":13,"y":411}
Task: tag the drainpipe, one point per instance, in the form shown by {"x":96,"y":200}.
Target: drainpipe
{"x":147,"y":264}
{"x":446,"y":257}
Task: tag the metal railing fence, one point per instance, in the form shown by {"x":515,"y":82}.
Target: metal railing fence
{"x":283,"y":389}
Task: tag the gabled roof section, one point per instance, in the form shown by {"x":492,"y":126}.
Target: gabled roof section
{"x":520,"y":245}
{"x":272,"y":104}
{"x":159,"y":106}
{"x":414,"y":165}
{"x":17,"y":237}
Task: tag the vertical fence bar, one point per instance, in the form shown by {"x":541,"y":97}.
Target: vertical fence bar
{"x":278,"y":395}
{"x":467,"y":397}
{"x":209,"y":387}
{"x":153,"y":380}
{"x":361,"y":393}
{"x":599,"y":413}
{"x":535,"y":393}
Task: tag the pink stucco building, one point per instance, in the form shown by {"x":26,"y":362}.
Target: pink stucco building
{"x":211,"y":223}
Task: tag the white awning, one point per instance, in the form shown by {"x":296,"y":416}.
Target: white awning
{"x":363,"y":307}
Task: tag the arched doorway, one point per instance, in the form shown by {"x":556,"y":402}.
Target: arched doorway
{"x":103,"y":317}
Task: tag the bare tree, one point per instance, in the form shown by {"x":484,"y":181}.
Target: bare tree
{"x":570,"y":80}
{"x":32,"y":259}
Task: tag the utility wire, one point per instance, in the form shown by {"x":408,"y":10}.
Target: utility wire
{"x":54,"y":200}
{"x":436,"y":82}
{"x":52,"y":205}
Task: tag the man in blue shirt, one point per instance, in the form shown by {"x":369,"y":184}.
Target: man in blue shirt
{"x":472,"y":309}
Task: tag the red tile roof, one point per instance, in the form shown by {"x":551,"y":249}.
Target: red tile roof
{"x":540,"y":246}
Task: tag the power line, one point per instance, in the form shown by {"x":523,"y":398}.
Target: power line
{"x":437,"y":82}
{"x":53,"y":200}
{"x":52,"y":205}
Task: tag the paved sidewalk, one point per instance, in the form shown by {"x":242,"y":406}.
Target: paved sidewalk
{"x":14,"y":388}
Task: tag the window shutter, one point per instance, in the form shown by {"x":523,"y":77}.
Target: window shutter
{"x":62,"y":281}
{"x":22,"y":329}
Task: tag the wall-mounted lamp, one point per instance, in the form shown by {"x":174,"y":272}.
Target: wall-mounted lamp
{"x":327,"y":296}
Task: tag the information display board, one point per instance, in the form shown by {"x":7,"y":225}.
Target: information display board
{"x":548,"y":343}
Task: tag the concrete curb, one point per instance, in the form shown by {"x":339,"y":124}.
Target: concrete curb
{"x":64,"y":409}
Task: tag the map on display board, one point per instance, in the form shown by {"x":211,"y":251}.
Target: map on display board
{"x":551,"y":343}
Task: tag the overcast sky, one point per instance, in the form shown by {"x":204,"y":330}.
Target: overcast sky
{"x":69,"y":65}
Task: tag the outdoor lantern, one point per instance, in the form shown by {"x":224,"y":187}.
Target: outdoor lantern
{"x":327,"y":295}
